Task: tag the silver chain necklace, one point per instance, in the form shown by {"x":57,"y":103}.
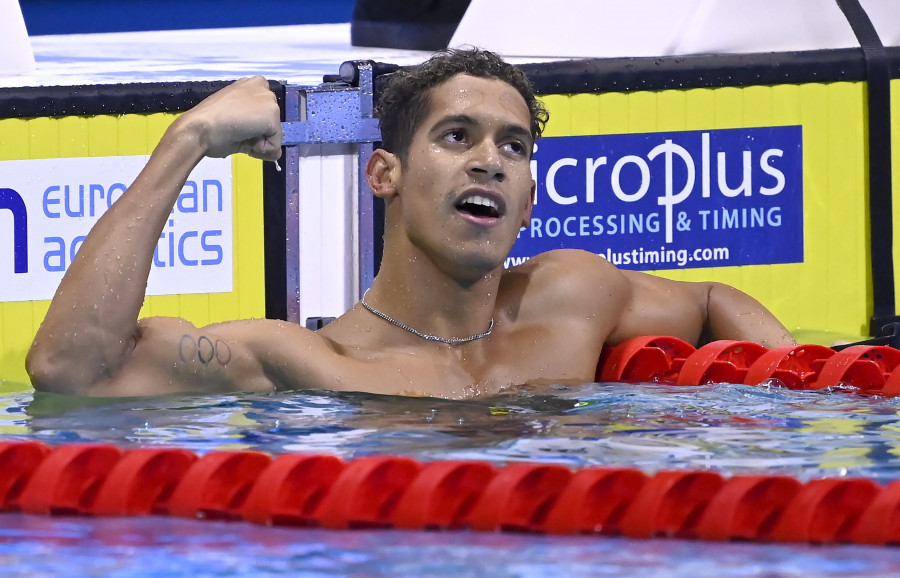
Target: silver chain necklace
{"x":426,"y":336}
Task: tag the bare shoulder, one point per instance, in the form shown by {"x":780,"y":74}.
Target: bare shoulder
{"x":257,"y":335}
{"x":572,"y":265}
{"x":659,"y":306}
{"x":646,"y":285}
{"x":619,"y":303}
{"x":567,"y":278}
{"x":172,"y":355}
{"x":271,"y":341}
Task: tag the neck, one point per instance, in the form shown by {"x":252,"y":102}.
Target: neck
{"x":417,"y":294}
{"x":455,"y":340}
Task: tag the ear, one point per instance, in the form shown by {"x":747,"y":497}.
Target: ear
{"x":526,"y":218}
{"x":383,"y":173}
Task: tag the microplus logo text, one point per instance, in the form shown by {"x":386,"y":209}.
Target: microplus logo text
{"x":670,"y":200}
{"x":47,"y":207}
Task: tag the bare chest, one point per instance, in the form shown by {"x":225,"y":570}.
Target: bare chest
{"x":486,"y":367}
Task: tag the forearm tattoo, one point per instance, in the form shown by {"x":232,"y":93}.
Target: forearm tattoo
{"x":204,"y":350}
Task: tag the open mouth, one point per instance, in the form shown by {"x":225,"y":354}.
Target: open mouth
{"x":479,"y":206}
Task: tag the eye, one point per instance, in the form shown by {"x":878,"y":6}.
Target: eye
{"x":456,"y":135}
{"x":515,"y":147}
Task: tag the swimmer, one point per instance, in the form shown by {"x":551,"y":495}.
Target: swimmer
{"x":442,"y":318}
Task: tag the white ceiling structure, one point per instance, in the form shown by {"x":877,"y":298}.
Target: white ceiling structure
{"x":521,"y":30}
{"x":622,"y":28}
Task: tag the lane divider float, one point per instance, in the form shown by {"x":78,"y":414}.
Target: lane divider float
{"x":862,"y":369}
{"x":398,"y":492}
{"x":91,"y":479}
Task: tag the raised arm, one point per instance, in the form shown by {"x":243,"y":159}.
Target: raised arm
{"x":91,"y":329}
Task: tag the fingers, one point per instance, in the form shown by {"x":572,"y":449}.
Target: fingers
{"x":270,"y":145}
{"x":242,"y":117}
{"x":266,"y":148}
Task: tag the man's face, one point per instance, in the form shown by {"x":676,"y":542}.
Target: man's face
{"x":466,"y":185}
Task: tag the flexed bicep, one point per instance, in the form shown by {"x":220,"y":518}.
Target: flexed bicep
{"x":100,"y":297}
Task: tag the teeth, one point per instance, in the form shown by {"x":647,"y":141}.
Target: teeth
{"x":484,"y":201}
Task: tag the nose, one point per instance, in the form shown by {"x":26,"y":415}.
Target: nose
{"x":485,"y":162}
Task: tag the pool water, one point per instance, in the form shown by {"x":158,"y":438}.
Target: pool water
{"x":173,"y":547}
{"x":730,"y":429}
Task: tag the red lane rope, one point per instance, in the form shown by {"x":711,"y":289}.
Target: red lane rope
{"x":863,"y":369}
{"x":399,"y":492}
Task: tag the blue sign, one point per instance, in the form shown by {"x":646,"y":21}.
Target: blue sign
{"x":671,"y":200}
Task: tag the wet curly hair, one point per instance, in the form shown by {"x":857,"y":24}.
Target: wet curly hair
{"x":406,"y":98}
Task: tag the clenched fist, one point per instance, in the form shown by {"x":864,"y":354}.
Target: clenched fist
{"x":243,"y":117}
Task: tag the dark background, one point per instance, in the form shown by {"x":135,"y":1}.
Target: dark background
{"x":85,"y":16}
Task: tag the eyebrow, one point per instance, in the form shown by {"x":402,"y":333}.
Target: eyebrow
{"x":515,"y":130}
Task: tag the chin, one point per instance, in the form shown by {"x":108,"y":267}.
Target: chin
{"x":476,"y":265}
